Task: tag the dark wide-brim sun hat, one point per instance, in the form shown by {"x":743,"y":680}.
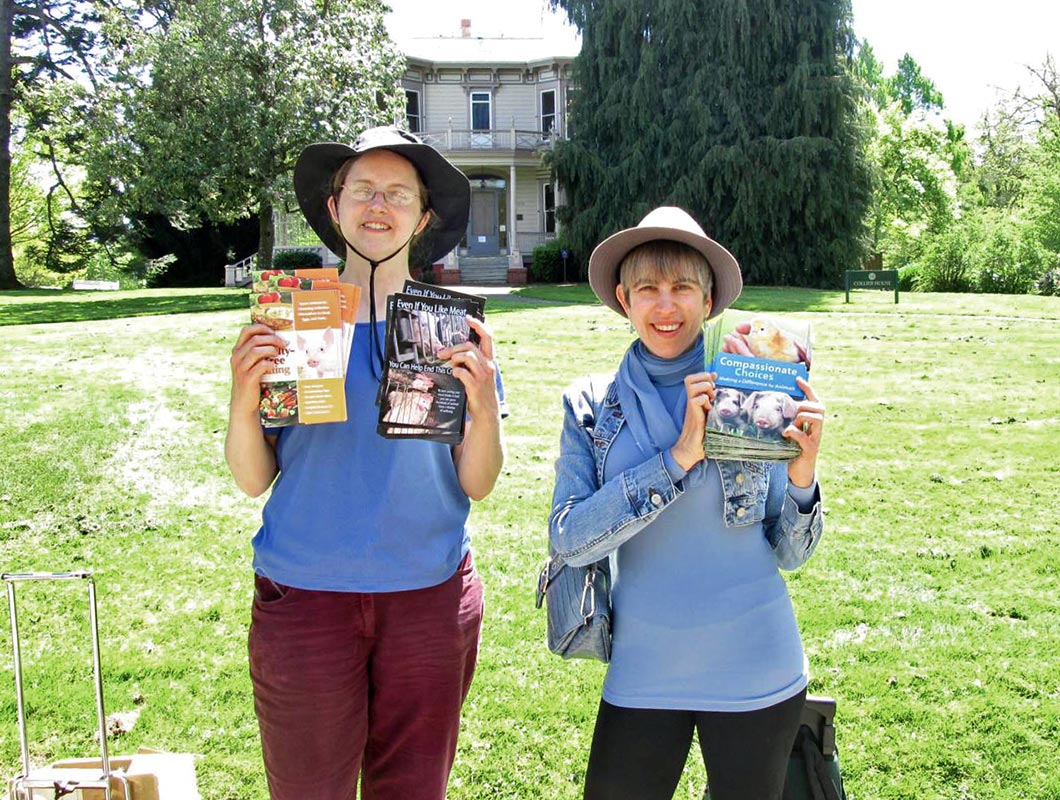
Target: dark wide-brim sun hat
{"x":449,"y":192}
{"x":666,"y":223}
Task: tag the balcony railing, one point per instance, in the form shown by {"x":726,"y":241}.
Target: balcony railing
{"x":510,"y":139}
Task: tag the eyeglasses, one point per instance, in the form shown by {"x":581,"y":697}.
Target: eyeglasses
{"x":398,"y":197}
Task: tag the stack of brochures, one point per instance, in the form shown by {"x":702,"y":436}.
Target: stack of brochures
{"x":419,"y":397}
{"x":757,"y":358}
{"x":314,"y":314}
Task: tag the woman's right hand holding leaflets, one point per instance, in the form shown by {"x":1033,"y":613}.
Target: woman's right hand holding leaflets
{"x":248,"y":451}
{"x":688,"y":450}
{"x":251,"y":359}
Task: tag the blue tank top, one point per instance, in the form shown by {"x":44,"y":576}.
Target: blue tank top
{"x":353,"y":512}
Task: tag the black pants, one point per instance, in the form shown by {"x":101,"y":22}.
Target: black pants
{"x":639,"y":754}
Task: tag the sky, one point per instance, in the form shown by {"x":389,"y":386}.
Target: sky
{"x":971,"y":49}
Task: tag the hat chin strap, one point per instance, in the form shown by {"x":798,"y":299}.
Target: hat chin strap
{"x":375,"y":348}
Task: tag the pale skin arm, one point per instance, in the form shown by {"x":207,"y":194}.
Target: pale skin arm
{"x":688,"y":449}
{"x":480,"y":456}
{"x":249,"y":452}
{"x":805,"y":430}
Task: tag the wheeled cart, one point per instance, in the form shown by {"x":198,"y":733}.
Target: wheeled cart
{"x":87,"y":779}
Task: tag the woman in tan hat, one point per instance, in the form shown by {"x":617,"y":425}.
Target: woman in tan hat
{"x":704,"y":635}
{"x":367,"y":609}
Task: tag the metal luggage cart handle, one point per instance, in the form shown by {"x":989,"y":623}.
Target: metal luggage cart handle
{"x":23,"y":781}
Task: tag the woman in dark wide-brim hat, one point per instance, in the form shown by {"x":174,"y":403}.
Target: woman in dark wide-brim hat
{"x":705,"y":636}
{"x":367,"y":605}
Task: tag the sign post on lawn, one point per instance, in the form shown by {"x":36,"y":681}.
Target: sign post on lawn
{"x":872,"y":279}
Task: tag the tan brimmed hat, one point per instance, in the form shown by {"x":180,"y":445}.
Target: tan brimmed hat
{"x":670,"y":224}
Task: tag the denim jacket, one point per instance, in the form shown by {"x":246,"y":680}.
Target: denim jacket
{"x":591,"y":518}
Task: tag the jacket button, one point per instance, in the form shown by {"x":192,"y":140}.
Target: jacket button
{"x":656,"y":499}
{"x":739,"y":479}
{"x":741,"y":512}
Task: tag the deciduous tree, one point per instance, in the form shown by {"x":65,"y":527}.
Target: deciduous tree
{"x":917,"y":157}
{"x":205,"y":119}
{"x":40,"y":41}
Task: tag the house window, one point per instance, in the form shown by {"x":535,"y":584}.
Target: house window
{"x":412,"y":111}
{"x":548,"y":111}
{"x":548,"y":206}
{"x":480,"y":111}
{"x":480,"y":120}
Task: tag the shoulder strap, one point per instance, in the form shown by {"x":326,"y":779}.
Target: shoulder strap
{"x":599,"y":387}
{"x":817,"y":776}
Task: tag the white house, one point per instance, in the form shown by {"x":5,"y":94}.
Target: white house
{"x":494,"y":106}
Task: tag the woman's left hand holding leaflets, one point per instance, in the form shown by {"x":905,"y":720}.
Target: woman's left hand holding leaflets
{"x":805,"y":430}
{"x":480,"y":456}
{"x":473,"y":366}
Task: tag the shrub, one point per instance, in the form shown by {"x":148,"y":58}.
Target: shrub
{"x":947,"y":263}
{"x":296,"y":259}
{"x":546,"y":264}
{"x":1011,"y":261}
{"x":909,"y":278}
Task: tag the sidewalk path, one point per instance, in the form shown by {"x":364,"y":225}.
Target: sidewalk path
{"x":508,"y":293}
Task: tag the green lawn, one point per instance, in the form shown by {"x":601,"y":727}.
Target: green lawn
{"x":929,"y":611}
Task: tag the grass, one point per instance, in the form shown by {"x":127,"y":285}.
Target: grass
{"x":42,"y":305}
{"x":929,"y":611}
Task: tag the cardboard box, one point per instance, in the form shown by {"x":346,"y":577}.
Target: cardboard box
{"x":149,"y":776}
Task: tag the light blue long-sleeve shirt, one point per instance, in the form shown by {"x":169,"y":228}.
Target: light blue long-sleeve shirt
{"x":702,"y":618}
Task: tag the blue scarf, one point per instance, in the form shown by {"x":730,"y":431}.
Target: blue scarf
{"x":654,"y":427}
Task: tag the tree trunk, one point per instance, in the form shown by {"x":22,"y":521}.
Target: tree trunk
{"x":266,"y":235}
{"x":8,"y":279}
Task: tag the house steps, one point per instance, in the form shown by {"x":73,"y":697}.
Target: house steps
{"x":484,"y":270}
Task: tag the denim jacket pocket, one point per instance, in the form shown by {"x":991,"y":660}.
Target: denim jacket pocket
{"x":746,"y":487}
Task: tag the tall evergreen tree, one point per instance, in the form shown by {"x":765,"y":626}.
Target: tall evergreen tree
{"x":745,"y":114}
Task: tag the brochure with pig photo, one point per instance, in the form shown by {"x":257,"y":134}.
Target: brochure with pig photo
{"x":757,"y":357}
{"x":419,"y":396}
{"x":427,"y":290}
{"x":306,"y":384}
{"x":349,"y":299}
{"x":478,"y":302}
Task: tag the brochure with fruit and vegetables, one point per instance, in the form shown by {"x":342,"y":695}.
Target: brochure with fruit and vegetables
{"x":306,"y":383}
{"x":757,"y":358}
{"x":286,"y":280}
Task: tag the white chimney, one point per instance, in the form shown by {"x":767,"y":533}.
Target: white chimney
{"x":465,"y":28}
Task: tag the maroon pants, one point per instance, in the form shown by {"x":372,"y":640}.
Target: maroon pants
{"x":371,"y":684}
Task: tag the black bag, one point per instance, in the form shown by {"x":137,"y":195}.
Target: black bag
{"x":813,"y":768}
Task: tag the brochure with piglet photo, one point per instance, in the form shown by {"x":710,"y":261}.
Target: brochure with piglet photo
{"x":419,"y":396}
{"x":757,"y":357}
{"x":306,"y":382}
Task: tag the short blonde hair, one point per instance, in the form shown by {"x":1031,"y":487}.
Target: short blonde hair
{"x":666,"y":259}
